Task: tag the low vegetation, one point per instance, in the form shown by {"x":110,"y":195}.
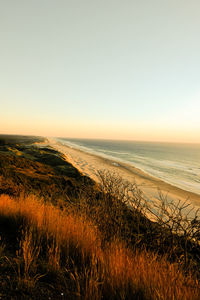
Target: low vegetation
{"x":80,"y":240}
{"x":60,"y":252}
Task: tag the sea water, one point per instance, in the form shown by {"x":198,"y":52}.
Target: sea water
{"x":175,"y":163}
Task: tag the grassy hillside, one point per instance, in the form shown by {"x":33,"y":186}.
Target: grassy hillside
{"x":29,"y":169}
{"x":65,"y":237}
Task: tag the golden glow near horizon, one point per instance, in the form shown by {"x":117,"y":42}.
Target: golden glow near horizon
{"x":124,"y":70}
{"x":76,"y":129}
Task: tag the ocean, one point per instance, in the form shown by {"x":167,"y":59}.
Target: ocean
{"x":174,"y":163}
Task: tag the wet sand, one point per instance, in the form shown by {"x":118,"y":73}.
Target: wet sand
{"x":89,"y":164}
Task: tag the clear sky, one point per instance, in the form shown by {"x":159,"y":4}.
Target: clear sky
{"x":101,"y":68}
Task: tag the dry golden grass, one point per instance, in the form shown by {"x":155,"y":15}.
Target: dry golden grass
{"x":60,"y":225}
{"x":112,"y":273}
{"x":148,"y":273}
{"x":27,"y":259}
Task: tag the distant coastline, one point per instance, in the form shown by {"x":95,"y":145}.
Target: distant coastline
{"x":175,"y":163}
{"x":89,"y":164}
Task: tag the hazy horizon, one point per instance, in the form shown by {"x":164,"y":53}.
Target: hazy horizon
{"x":101,"y":139}
{"x":101,"y":69}
{"x":124,"y":140}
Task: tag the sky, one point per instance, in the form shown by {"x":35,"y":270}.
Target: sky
{"x":108,"y":69}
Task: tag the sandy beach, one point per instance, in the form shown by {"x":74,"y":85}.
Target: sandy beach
{"x":89,"y":164}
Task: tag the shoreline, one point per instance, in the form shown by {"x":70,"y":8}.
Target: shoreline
{"x":88,"y":164}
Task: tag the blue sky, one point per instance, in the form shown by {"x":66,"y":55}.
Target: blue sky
{"x":101,"y":69}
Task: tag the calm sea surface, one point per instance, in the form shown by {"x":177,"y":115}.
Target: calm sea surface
{"x":178,"y":164}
